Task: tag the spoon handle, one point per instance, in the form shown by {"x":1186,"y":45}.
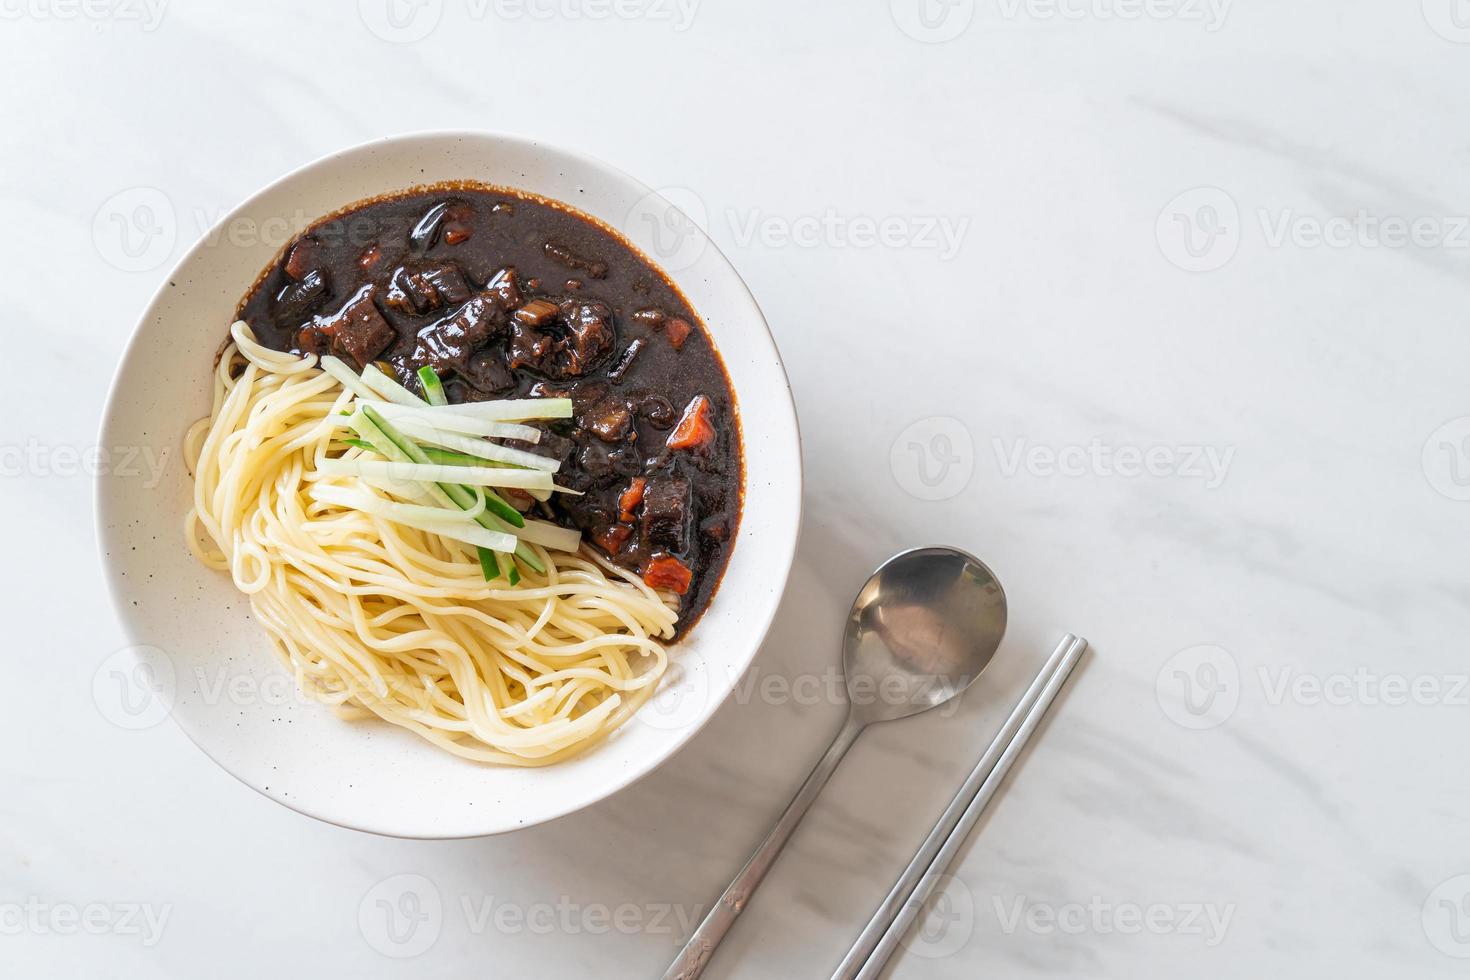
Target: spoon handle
{"x":695,"y":955}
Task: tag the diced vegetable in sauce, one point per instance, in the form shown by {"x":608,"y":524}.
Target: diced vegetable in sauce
{"x":667,"y":572}
{"x":694,"y":428}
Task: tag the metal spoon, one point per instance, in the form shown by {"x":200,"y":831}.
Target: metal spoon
{"x":922,"y":629}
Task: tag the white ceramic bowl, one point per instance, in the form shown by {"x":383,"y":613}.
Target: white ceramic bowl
{"x":205,"y":663}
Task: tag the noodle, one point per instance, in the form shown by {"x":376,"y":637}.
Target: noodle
{"x":376,"y":618}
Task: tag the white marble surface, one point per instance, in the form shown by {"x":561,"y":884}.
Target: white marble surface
{"x":1301,"y":513}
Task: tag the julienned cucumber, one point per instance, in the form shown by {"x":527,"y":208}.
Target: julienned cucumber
{"x":490,"y":568}
{"x":462,"y":497}
{"x":433,"y":387}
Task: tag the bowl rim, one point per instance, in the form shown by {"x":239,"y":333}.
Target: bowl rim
{"x":721,"y":686}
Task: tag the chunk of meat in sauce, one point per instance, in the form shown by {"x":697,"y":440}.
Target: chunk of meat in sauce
{"x":529,"y":346}
{"x":565,"y":341}
{"x":446,"y":344}
{"x":610,"y":419}
{"x":665,"y":520}
{"x":611,"y":538}
{"x":486,"y":372}
{"x":604,"y":466}
{"x":305,"y":257}
{"x":422,"y":290}
{"x":358,"y":330}
{"x":589,"y":329}
{"x":552,"y":445}
{"x":298,"y":300}
{"x":504,"y":290}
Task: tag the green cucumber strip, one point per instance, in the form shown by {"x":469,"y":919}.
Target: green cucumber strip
{"x":497,"y":505}
{"x":379,"y":442}
{"x":462,"y":497}
{"x":433,"y":387}
{"x":449,"y":457}
{"x":378,"y":436}
{"x":512,"y":574}
{"x":430,"y":454}
{"x":523,"y":550}
{"x":489,"y":567}
{"x":525,"y":554}
{"x":493,"y":500}
{"x":386,"y":388}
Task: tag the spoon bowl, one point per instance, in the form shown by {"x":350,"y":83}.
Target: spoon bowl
{"x":922,"y":628}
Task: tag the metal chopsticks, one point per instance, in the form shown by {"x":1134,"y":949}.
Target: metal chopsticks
{"x":906,"y":899}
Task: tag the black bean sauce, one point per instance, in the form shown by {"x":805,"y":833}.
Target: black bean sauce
{"x":507,"y":296}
